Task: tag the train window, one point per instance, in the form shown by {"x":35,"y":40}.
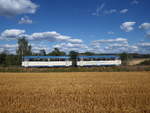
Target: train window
{"x":94,"y":59}
{"x":86,"y":59}
{"x":54,"y":59}
{"x":37,"y":59}
{"x":44,"y":59}
{"x":26,"y":59}
{"x":103,"y":59}
{"x":62,"y":59}
{"x":31,"y":59}
{"x":99,"y":59}
{"x":112,"y":58}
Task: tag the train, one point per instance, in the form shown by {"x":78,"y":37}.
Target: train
{"x":66,"y":61}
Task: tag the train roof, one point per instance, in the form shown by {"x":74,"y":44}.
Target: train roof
{"x":28,"y":57}
{"x":102,"y":56}
{"x":67,"y":57}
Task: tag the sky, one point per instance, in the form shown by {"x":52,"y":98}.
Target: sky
{"x":100,"y":26}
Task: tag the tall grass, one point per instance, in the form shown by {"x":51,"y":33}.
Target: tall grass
{"x":77,"y":69}
{"x":117,"y":92}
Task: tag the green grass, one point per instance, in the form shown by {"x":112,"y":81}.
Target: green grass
{"x":78,"y":69}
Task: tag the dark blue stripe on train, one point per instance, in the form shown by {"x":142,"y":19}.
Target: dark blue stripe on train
{"x":98,"y":56}
{"x":67,"y":57}
{"x":42,"y":57}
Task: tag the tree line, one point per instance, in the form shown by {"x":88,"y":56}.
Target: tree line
{"x":25,"y":49}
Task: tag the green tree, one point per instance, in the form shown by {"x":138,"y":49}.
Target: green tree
{"x":11,"y":60}
{"x":145,"y":62}
{"x":73,"y":55}
{"x":125,"y":58}
{"x":57,"y":52}
{"x":24,"y":49}
{"x":42,"y":52}
{"x":88,"y":53}
{"x":7,"y":59}
{"x":3,"y":58}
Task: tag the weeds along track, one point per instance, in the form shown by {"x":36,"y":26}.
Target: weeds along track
{"x":80,"y":92}
{"x":77,"y":69}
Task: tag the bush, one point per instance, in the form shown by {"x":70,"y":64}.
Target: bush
{"x":146,"y":62}
{"x":78,"y":69}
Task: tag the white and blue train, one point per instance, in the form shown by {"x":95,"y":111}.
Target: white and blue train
{"x":46,"y":61}
{"x":65,"y":61}
{"x":98,"y":61}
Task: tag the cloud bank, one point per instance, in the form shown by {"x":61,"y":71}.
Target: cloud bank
{"x":43,"y":40}
{"x":12,"y":33}
{"x":16,"y":7}
{"x":25,"y":20}
{"x":145,"y":26}
{"x":123,"y":11}
{"x":127,"y":26}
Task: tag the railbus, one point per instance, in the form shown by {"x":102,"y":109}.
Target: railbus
{"x":65,"y":61}
{"x":98,"y":60}
{"x":46,"y":61}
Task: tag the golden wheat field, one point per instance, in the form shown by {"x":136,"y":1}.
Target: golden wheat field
{"x":95,"y":92}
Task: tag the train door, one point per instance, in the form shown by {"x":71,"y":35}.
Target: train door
{"x":67,"y":62}
{"x":25,"y":62}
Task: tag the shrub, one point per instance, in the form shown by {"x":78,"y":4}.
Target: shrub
{"x":146,"y":62}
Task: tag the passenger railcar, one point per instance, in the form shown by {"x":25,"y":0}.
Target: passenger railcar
{"x":98,"y":61}
{"x":65,"y":61}
{"x":46,"y":61}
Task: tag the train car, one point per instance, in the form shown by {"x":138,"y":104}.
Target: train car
{"x":65,"y":61}
{"x":98,"y":61}
{"x":46,"y":61}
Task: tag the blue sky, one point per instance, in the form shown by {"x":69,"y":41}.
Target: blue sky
{"x":102,"y":26}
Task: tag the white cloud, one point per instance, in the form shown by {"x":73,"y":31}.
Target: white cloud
{"x":101,"y":7}
{"x":51,"y":36}
{"x":123,"y":11}
{"x":144,"y":47}
{"x":135,"y":2}
{"x":75,"y":40}
{"x":41,"y":45}
{"x":148,"y":34}
{"x":11,"y":48}
{"x":9,"y":45}
{"x":25,"y":20}
{"x":68,"y":43}
{"x":99,"y":10}
{"x":15,"y":7}
{"x":127,"y":26}
{"x":110,"y":11}
{"x":145,"y":26}
{"x":144,"y":44}
{"x":12,"y":33}
{"x":117,"y":45}
{"x":80,"y":47}
{"x":123,"y":40}
{"x":123,"y":48}
{"x":48,"y":36}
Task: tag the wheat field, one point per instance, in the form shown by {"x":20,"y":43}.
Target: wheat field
{"x":94,"y":92}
